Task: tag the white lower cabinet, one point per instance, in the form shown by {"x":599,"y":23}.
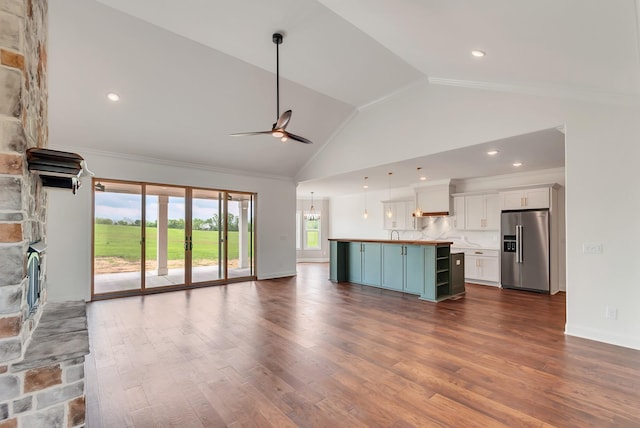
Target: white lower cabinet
{"x":482,"y":266}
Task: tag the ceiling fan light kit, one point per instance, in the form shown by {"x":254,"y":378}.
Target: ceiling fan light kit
{"x":278,"y":129}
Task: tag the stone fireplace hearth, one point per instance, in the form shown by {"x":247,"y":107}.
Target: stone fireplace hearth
{"x":41,"y":348}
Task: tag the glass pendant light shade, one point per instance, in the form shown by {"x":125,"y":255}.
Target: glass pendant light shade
{"x":389,"y":211}
{"x":421,"y":177}
{"x":365,"y":186}
{"x":312,"y":214}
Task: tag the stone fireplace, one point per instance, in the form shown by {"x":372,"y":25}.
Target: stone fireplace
{"x":42,"y":345}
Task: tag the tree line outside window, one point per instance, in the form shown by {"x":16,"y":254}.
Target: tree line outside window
{"x":213,"y":223}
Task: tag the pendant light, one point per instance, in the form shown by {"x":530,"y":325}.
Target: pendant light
{"x":389,"y":211}
{"x":421,"y":177}
{"x":365,"y":186}
{"x":312,"y":215}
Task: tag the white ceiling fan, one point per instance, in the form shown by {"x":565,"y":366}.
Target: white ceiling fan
{"x":278,"y":129}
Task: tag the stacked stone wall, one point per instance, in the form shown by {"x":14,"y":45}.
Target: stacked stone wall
{"x":47,"y":394}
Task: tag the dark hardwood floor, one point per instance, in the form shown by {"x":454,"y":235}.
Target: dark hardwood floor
{"x":306,"y":352}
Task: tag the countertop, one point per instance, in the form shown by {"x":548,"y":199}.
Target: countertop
{"x":393,"y":241}
{"x":480,"y":247}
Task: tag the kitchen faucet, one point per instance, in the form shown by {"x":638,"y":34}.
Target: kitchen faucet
{"x":397,"y":234}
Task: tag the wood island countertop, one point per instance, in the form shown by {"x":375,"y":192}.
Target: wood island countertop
{"x":393,"y":241}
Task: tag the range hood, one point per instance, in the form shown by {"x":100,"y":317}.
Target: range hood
{"x":434,"y":199}
{"x":56,"y":168}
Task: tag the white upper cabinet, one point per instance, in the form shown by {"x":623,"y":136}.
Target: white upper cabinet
{"x":398,"y":215}
{"x":482,"y":212}
{"x":492,"y":213}
{"x":533,"y":198}
{"x":457,"y":220}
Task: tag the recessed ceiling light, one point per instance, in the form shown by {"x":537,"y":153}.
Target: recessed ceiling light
{"x":112,"y":96}
{"x":492,"y":152}
{"x":478,"y":53}
{"x":423,"y":178}
{"x":517,"y":164}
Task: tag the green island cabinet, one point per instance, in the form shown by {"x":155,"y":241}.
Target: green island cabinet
{"x":412,"y":268}
{"x":364,"y":263}
{"x":438,"y":285}
{"x":403,"y":268}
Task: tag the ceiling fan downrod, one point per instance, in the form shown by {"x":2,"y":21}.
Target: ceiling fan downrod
{"x":277,"y":39}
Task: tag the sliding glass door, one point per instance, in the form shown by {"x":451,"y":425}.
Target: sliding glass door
{"x":164,"y":236}
{"x":207,"y":229}
{"x":240,"y":235}
{"x":149,"y":237}
{"x":117,"y":234}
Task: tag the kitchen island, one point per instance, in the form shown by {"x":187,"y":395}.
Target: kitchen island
{"x":422,"y":268}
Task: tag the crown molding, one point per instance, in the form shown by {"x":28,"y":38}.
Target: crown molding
{"x":165,"y":162}
{"x":545,"y":91}
{"x":516,"y":179}
{"x":393,"y":94}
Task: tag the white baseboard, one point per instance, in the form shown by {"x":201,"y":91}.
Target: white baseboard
{"x":632,"y":342}
{"x":480,"y":282}
{"x":277,"y":275}
{"x":312,"y":260}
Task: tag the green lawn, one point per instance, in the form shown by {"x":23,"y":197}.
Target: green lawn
{"x":312,"y":239}
{"x":124,"y":242}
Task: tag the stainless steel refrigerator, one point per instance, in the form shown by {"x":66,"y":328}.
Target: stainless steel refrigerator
{"x":525,"y":250}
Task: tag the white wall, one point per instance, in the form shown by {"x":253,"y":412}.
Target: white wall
{"x":69,"y":219}
{"x":347,"y":219}
{"x":602,"y":152}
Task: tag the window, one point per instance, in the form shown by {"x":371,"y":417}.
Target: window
{"x":298,"y":232}
{"x":312,"y":232}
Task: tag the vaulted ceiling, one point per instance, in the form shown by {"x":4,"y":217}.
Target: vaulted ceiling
{"x":190,"y":73}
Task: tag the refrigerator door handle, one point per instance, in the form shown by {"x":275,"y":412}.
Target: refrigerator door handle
{"x":519,"y":244}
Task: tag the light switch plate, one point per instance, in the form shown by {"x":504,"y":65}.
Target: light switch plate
{"x":592,"y":248}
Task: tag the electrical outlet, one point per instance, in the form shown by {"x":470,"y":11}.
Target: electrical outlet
{"x":611,"y":313}
{"x":592,"y":248}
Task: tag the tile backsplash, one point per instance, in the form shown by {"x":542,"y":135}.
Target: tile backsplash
{"x":441,"y":229}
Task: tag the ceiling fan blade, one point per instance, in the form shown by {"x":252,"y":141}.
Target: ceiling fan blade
{"x":283,"y":120}
{"x":298,"y":138}
{"x":242,"y":134}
